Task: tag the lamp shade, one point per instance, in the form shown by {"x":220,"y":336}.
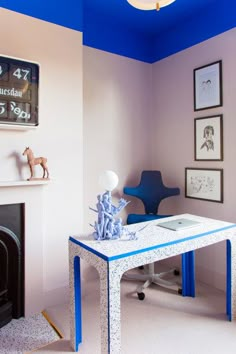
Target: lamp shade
{"x":108,"y":180}
{"x":149,"y":4}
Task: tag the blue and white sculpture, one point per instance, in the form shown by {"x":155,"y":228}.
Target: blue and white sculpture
{"x":108,"y":226}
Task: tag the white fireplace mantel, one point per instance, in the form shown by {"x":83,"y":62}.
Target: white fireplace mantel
{"x":22,"y":183}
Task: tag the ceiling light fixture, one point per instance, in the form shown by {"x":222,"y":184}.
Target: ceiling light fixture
{"x":149,"y":4}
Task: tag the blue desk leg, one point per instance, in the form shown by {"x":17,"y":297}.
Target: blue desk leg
{"x":228,"y":280}
{"x":78,"y":313}
{"x":188,"y":274}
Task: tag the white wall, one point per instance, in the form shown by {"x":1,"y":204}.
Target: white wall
{"x":59,"y":137}
{"x":172,"y":137}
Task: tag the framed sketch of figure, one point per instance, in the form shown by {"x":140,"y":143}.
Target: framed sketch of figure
{"x":204,"y":184}
{"x":208,"y":138}
{"x":208,"y":86}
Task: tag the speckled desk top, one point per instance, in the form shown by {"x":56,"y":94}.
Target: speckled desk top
{"x":150,"y":236}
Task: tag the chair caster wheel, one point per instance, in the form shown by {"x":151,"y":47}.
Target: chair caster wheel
{"x":176,"y":272}
{"x":141,"y":296}
{"x":180,"y":291}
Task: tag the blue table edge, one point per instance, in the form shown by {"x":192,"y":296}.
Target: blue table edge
{"x":128,"y":254}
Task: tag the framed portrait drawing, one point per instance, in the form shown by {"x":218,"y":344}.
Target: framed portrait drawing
{"x":208,"y":138}
{"x":208,"y":86}
{"x":204,"y":184}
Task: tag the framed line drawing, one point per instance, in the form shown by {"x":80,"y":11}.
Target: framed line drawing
{"x":208,"y":138}
{"x":204,"y":184}
{"x":208,"y":86}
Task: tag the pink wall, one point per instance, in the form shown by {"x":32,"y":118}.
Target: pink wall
{"x":172,"y":137}
{"x":58,"y":137}
{"x":136,"y":116}
{"x":116,"y":122}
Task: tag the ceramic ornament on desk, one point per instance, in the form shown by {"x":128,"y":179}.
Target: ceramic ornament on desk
{"x":32,"y":161}
{"x":108,"y":226}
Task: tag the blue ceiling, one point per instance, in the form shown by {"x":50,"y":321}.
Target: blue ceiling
{"x":117,"y":27}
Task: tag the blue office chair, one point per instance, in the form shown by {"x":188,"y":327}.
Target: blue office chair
{"x":151,"y":191}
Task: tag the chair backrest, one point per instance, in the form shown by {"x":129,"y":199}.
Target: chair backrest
{"x":151,"y":191}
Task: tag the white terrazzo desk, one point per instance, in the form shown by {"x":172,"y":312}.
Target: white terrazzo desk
{"x":113,"y":258}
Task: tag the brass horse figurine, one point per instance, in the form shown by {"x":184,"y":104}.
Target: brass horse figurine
{"x":32,"y":161}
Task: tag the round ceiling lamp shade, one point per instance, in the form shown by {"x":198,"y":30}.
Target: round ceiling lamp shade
{"x":149,"y":4}
{"x":108,"y":180}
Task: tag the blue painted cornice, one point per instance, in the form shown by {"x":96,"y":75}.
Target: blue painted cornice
{"x":116,"y":27}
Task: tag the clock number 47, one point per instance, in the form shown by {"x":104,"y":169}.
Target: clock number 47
{"x":21,"y":74}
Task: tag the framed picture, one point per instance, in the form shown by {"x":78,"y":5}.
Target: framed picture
{"x":208,"y":138}
{"x":19,"y":82}
{"x":204,"y":183}
{"x":208,"y":86}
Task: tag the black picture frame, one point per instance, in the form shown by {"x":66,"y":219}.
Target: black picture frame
{"x":204,"y":184}
{"x":208,"y":138}
{"x":208,"y":90}
{"x":19,"y":86}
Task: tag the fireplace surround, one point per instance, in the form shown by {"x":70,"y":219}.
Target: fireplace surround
{"x":30,"y":196}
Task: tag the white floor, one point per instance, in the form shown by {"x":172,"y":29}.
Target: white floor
{"x":164,"y":323}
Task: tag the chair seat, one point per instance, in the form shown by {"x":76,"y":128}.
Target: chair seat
{"x":135,"y":218}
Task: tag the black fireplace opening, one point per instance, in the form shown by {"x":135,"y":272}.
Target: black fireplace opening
{"x":11,"y":262}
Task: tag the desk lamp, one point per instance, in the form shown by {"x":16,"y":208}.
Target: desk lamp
{"x":108,"y":226}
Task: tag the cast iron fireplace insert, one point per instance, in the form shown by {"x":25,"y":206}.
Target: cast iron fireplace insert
{"x":11,"y":262}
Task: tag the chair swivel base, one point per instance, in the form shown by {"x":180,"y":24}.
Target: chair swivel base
{"x":150,"y":277}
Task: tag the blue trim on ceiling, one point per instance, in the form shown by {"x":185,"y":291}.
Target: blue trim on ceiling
{"x":111,"y":37}
{"x":119,"y":38}
{"x":116,"y":27}
{"x":196,"y":29}
{"x":148,"y":22}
